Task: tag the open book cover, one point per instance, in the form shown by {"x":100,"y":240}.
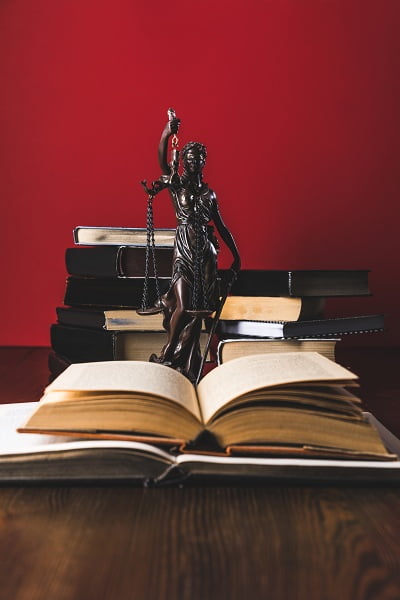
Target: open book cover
{"x":286,"y":404}
{"x":39,"y":458}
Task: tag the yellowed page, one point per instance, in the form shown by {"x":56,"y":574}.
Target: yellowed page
{"x":128,"y":376}
{"x":242,"y":375}
{"x":261,"y":307}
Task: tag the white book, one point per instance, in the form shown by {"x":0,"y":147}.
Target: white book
{"x":122,"y":236}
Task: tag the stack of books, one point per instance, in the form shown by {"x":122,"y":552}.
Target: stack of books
{"x":266,"y":311}
{"x":283,"y":311}
{"x":104,"y":289}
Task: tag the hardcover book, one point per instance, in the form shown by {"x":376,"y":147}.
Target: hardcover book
{"x":56,"y":459}
{"x":291,"y":403}
{"x":325,"y":283}
{"x":111,"y":319}
{"x":272,"y":308}
{"x":116,"y":261}
{"x":228,"y":349}
{"x":79,"y":344}
{"x":294,"y":329}
{"x":111,"y":293}
{"x":122,"y":236}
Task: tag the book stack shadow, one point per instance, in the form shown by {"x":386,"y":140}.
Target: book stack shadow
{"x":283,"y":311}
{"x":104,"y":288}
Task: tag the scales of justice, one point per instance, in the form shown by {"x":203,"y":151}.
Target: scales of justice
{"x":194,"y":292}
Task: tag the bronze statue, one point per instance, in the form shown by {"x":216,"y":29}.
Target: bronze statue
{"x":193,"y":293}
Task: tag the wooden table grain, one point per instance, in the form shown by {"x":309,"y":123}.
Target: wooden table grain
{"x":278,"y":542}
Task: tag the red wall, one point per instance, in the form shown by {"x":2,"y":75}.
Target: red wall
{"x":297,"y":101}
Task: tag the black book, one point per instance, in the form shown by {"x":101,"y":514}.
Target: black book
{"x":261,"y":282}
{"x":296,"y":329}
{"x":116,"y":261}
{"x":79,"y":344}
{"x":113,"y":293}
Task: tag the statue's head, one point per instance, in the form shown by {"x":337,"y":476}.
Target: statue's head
{"x":194,"y":157}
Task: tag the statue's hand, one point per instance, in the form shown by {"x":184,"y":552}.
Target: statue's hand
{"x":173,"y":125}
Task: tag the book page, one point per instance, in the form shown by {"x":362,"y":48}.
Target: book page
{"x":242,"y":375}
{"x":13,"y":443}
{"x":129,"y":376}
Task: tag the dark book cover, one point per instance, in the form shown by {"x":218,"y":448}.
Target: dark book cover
{"x":77,"y":344}
{"x":294,"y":329}
{"x":57,"y":364}
{"x":116,"y":261}
{"x":81,"y":317}
{"x":112,"y":293}
{"x":262,"y":282}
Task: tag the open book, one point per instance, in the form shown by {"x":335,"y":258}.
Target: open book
{"x":281,"y":404}
{"x":57,"y":459}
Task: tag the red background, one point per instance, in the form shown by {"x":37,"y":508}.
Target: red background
{"x":297,"y":101}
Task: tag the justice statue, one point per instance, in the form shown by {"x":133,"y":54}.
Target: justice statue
{"x":193,"y":293}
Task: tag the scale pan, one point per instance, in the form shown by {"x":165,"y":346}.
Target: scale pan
{"x":152,"y":310}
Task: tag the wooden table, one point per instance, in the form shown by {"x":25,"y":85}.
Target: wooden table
{"x":273,"y":542}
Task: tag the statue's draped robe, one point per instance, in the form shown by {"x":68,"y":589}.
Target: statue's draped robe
{"x":195,"y":268}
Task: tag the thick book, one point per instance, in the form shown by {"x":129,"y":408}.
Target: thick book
{"x":111,"y":293}
{"x":228,"y":349}
{"x":122,"y":236}
{"x":40,"y":458}
{"x":291,"y":403}
{"x":116,"y":261}
{"x":123,"y":319}
{"x":325,"y":283}
{"x":268,"y":308}
{"x":79,"y":344}
{"x":294,"y":329}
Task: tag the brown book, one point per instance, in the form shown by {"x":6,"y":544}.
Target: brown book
{"x":276,"y":404}
{"x":234,"y":348}
{"x":56,"y":459}
{"x":272,"y":308}
{"x":123,"y":319}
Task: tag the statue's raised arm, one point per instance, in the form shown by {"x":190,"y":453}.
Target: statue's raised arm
{"x":171,"y":128}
